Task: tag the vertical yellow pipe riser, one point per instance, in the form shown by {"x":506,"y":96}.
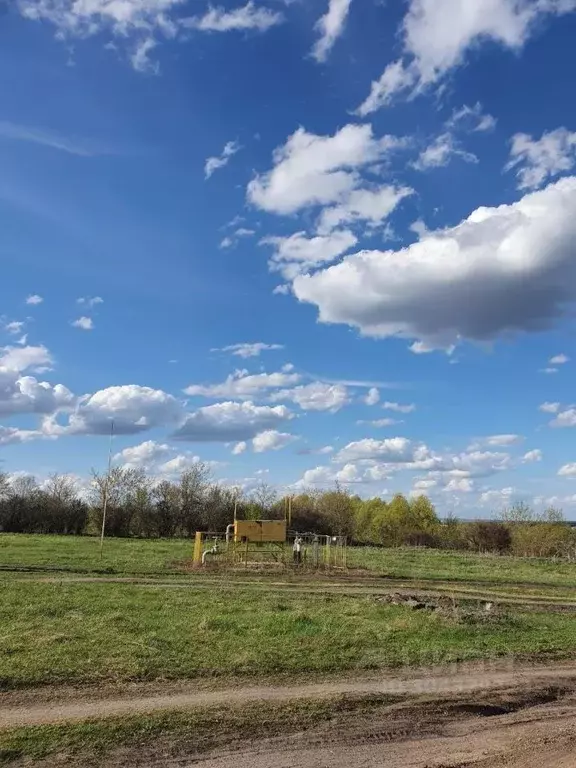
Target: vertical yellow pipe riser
{"x":197,"y":558}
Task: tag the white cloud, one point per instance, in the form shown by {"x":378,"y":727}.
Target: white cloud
{"x":499,"y":498}
{"x":440,"y":152}
{"x":242,"y":384}
{"x":13,"y":435}
{"x":24,"y":358}
{"x":472,"y":119}
{"x":548,"y":370}
{"x":394,"y":450}
{"x":568,"y":470}
{"x":140,"y":57}
{"x":247,"y":17}
{"x":214,"y":164}
{"x":372,"y":396}
{"x":559,"y":359}
{"x":157,"y":459}
{"x":331,"y":26}
{"x":271,"y":440}
{"x":227,"y":242}
{"x":143,"y":456}
{"x":370,"y":205}
{"x":380,"y":422}
{"x":90,"y":301}
{"x":437,"y":34}
{"x":494,"y":441}
{"x":299,"y":253}
{"x":519,"y":258}
{"x":549,"y":407}
{"x":399,"y":407}
{"x":317,"y":451}
{"x":248,"y":350}
{"x":231,"y":422}
{"x":14,"y":327}
{"x":25,"y":394}
{"x":312,"y":170}
{"x":425,"y":485}
{"x":34,"y":299}
{"x":565,"y":418}
{"x":317,"y":396}
{"x":84,"y":323}
{"x":239,"y":448}
{"x":532,"y":456}
{"x":131,"y":407}
{"x":538,"y":160}
{"x":459,"y":485}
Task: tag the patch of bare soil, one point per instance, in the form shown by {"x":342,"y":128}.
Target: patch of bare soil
{"x":46,"y":705}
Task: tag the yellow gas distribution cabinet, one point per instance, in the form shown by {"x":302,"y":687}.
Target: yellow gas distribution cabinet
{"x":259,"y":531}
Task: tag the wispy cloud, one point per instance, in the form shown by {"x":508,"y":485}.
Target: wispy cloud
{"x":47,"y":138}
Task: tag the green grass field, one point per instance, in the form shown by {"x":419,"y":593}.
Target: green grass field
{"x":78,"y":632}
{"x":164,"y":557}
{"x":56,"y":628}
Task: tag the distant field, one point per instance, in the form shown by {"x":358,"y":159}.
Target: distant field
{"x":164,"y":556}
{"x":91,"y":632}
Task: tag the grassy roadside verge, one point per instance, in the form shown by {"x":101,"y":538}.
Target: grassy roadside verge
{"x":197,"y":730}
{"x":93,"y":633}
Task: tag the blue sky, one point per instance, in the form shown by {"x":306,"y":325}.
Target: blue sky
{"x":307,"y":241}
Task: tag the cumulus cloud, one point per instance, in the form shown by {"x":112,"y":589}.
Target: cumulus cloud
{"x":299,"y":253}
{"x":498,"y":498}
{"x":143,"y":456}
{"x":84,"y":323}
{"x":35,"y":358}
{"x":549,"y":407}
{"x":311,"y":170}
{"x":231,"y":422}
{"x":34,"y":299}
{"x":13,"y":435}
{"x":131,"y":407}
{"x":316,"y":396}
{"x":272,"y":440}
{"x":247,"y":17}
{"x":25,"y":394}
{"x":330,"y":26}
{"x":373,"y":206}
{"x":437,"y":35}
{"x":214,"y":164}
{"x":372,"y":396}
{"x":239,"y":448}
{"x":536,"y":161}
{"x":242,"y":384}
{"x":560,"y":359}
{"x":505,"y":269}
{"x":158,"y":459}
{"x":531,"y":456}
{"x":566,"y":418}
{"x":394,"y":450}
{"x":568,"y":470}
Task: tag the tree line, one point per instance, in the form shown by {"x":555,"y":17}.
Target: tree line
{"x":140,"y":506}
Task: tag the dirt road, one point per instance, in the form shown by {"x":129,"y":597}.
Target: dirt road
{"x":486,"y":715}
{"x":48,"y":705}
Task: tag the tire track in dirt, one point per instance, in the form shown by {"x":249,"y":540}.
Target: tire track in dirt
{"x":481,"y":677}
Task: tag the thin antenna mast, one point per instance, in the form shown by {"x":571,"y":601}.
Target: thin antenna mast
{"x":106,"y":488}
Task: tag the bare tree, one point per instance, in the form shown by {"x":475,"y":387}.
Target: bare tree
{"x":263,"y":498}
